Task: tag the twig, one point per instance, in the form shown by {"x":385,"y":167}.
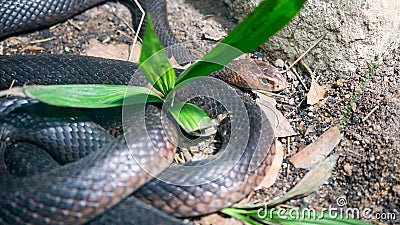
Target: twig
{"x":302,"y":55}
{"x":129,"y":27}
{"x":269,"y":93}
{"x":75,"y":25}
{"x":55,"y":26}
{"x":370,"y":113}
{"x":299,"y":78}
{"x":298,"y":105}
{"x":355,"y":153}
{"x":308,"y":69}
{"x":125,"y":34}
{"x":11,"y":86}
{"x":42,"y":40}
{"x":138,"y":29}
{"x":179,"y":158}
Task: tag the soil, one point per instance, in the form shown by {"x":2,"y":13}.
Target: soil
{"x":366,"y":106}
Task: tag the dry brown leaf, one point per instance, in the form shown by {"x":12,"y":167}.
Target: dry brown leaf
{"x":280,"y":124}
{"x":214,"y":219}
{"x":176,"y":65}
{"x":317,"y":151}
{"x":283,"y":127}
{"x":311,"y":181}
{"x":316,"y":93}
{"x":273,"y":171}
{"x":112,"y":51}
{"x":32,"y":48}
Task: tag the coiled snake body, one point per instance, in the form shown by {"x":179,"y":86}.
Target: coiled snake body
{"x":104,"y":187}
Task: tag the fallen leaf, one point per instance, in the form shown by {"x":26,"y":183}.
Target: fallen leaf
{"x":316,"y":152}
{"x":112,"y":51}
{"x":316,"y":93}
{"x":273,"y":171}
{"x":215,"y":218}
{"x":266,"y":100}
{"x":310,"y":182}
{"x":176,"y":65}
{"x":279,"y":123}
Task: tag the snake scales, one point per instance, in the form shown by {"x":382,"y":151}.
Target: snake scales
{"x":103,"y":186}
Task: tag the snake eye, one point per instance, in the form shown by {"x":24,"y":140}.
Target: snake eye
{"x":265,"y":81}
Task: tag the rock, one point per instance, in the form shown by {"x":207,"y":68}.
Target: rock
{"x":355,"y":32}
{"x":396,"y":189}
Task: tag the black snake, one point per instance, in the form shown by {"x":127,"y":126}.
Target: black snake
{"x":104,"y":187}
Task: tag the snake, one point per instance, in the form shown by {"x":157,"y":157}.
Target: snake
{"x":125,"y":179}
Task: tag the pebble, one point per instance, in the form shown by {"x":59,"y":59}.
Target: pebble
{"x":385,"y":80}
{"x":290,"y":75}
{"x":372,"y":158}
{"x":279,"y":63}
{"x":348,"y":169}
{"x":340,"y":83}
{"x":396,"y":189}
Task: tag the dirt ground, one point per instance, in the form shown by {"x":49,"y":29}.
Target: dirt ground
{"x":367,"y":174}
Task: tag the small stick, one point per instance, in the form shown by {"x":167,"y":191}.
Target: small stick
{"x":370,"y":113}
{"x":134,"y":40}
{"x":288,"y":151}
{"x":308,"y":69}
{"x":125,"y":34}
{"x":75,"y":25}
{"x":269,"y":93}
{"x":287,"y":170}
{"x":282,"y":101}
{"x":355,"y":153}
{"x":11,"y":86}
{"x":129,"y":27}
{"x":178,"y":158}
{"x":138,"y":29}
{"x":302,"y":55}
{"x":299,"y":78}
{"x":298,"y":105}
{"x":55,"y":26}
{"x":42,"y":40}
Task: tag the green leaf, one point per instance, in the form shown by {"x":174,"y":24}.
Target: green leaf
{"x":191,"y":118}
{"x":91,"y":95}
{"x":267,"y":19}
{"x":154,"y":61}
{"x":291,"y":216}
{"x":232,"y":212}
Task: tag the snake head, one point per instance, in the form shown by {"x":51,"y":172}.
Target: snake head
{"x":253,"y":74}
{"x":270,"y":79}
